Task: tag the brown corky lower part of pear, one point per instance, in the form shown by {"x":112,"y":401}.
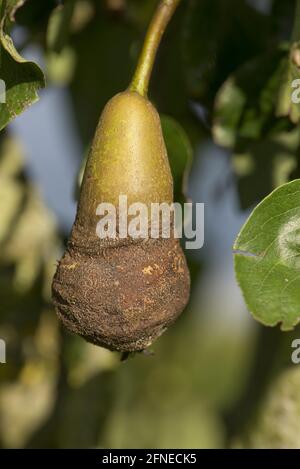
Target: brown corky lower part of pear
{"x":122,"y":293}
{"x":122,"y":297}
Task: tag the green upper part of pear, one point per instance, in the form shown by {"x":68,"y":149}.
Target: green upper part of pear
{"x":128,"y":157}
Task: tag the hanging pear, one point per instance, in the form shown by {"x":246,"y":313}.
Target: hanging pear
{"x":123,"y":292}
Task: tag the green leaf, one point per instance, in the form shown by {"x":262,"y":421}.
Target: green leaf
{"x":253,"y":117}
{"x":215,"y":44}
{"x":264,"y":164}
{"x":229,"y":106}
{"x":267,"y":258}
{"x":60,"y":67}
{"x":180,"y":154}
{"x":59,"y":26}
{"x":22,"y":78}
{"x":246,"y":102}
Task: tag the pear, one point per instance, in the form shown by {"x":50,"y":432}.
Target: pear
{"x":123,"y":292}
{"x":128,"y":157}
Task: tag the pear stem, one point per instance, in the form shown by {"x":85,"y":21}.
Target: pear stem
{"x":160,"y":20}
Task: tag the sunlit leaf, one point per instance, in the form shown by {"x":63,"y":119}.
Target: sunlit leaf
{"x":247,"y":100}
{"x":21,"y":79}
{"x":267,"y":258}
{"x":264,"y":164}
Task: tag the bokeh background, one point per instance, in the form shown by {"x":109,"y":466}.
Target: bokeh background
{"x":206,"y":384}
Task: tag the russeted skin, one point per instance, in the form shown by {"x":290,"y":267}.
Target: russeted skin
{"x":122,"y":293}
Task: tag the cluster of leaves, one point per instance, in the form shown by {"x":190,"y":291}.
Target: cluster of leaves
{"x":246,"y":84}
{"x":255,"y":116}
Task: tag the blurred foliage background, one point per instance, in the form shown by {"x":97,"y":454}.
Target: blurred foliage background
{"x":216,"y":378}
